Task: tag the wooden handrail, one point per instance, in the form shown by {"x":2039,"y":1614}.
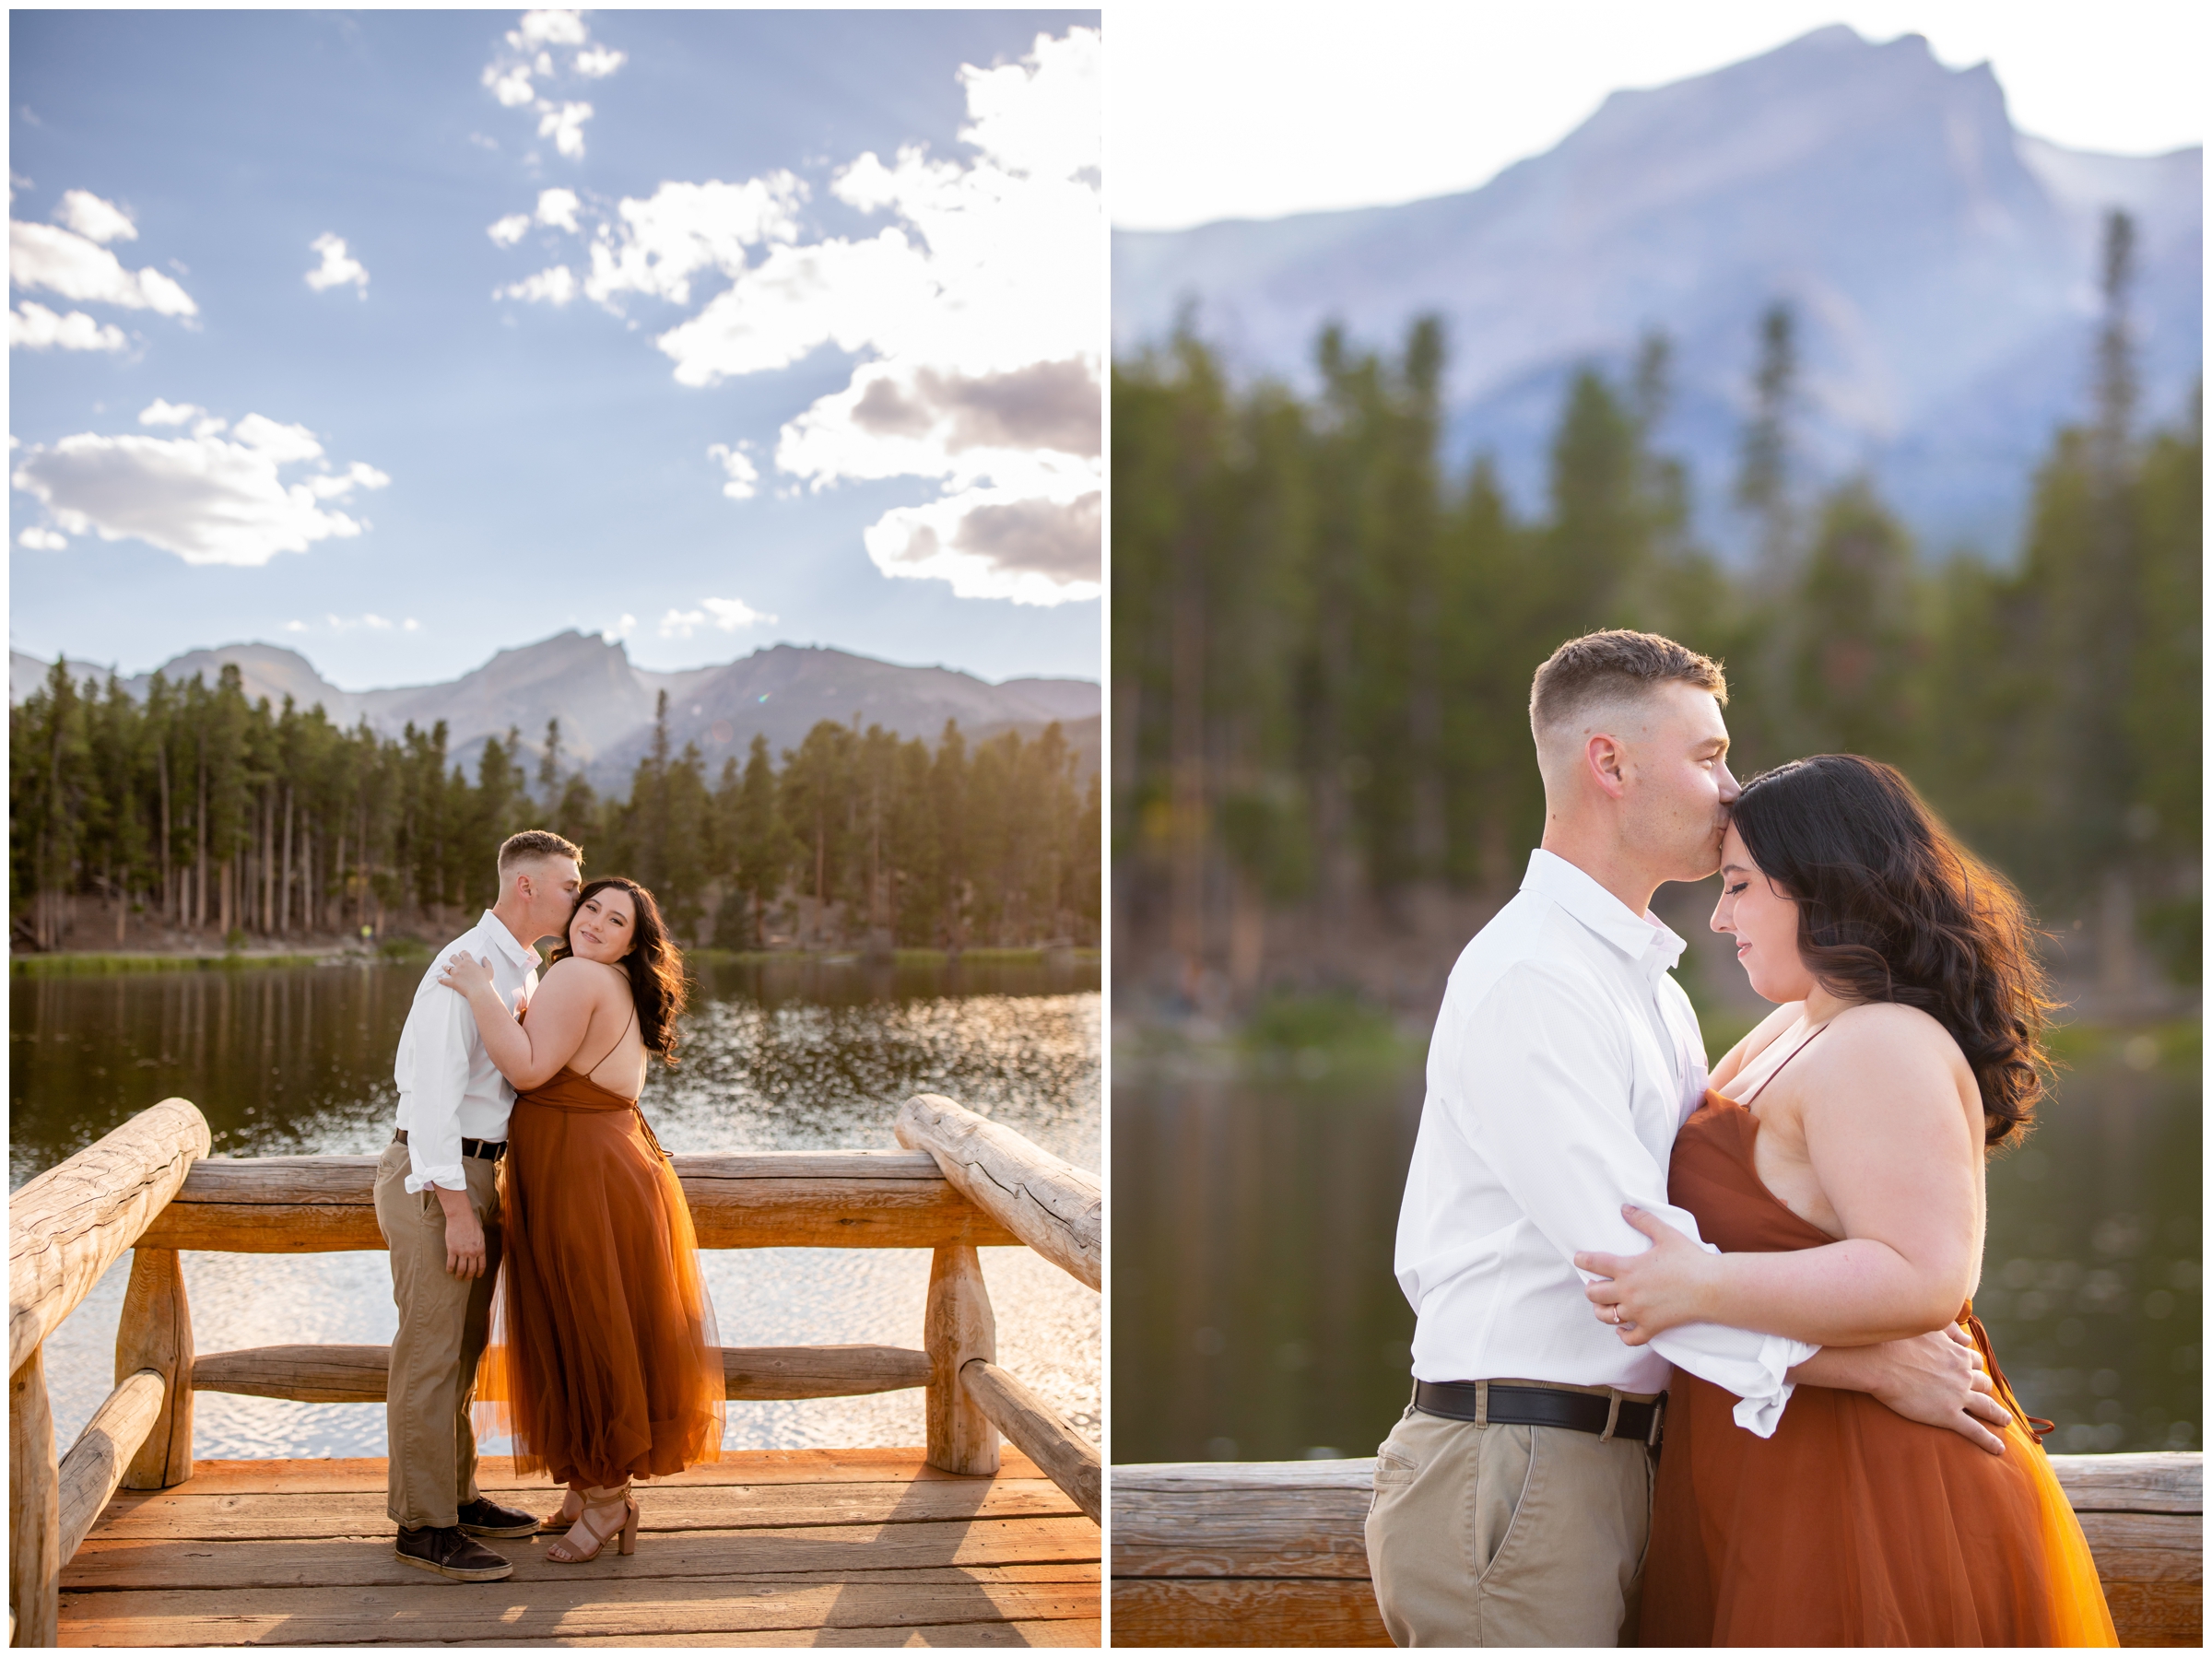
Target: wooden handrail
{"x":1275,"y":1553}
{"x":862,"y":1199}
{"x":1056,"y":1208}
{"x":354,"y":1374}
{"x":95,"y":1464}
{"x":71,"y":1223}
{"x":1067,"y":1458}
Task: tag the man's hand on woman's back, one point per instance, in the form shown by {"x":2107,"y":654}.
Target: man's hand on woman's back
{"x":1936,"y":1379}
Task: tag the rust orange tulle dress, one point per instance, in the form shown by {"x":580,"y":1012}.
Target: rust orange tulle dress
{"x":603,"y":1363}
{"x":1850,"y":1525}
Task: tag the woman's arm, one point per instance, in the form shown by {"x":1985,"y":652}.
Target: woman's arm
{"x":529,"y":1054}
{"x":1898,"y":1159}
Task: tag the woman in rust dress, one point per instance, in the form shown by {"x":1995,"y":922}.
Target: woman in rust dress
{"x":603,"y":1363}
{"x":1837,"y":1164}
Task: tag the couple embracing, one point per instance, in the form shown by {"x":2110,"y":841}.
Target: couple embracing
{"x":523,"y":1166}
{"x":1793,"y":1237}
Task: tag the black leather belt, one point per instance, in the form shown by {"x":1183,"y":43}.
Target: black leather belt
{"x":484,"y":1150}
{"x":1610,"y":1417}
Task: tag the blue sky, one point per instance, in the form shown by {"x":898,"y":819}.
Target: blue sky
{"x":400,"y":338}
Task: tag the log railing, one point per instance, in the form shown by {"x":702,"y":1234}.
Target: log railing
{"x":150,"y":1188}
{"x":1275,"y":1553}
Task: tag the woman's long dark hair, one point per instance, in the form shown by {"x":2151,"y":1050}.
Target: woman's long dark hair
{"x":654,"y":965}
{"x":1891,"y":907}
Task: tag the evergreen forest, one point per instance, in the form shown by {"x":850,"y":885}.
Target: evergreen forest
{"x":1324,"y":637}
{"x":194,"y":813}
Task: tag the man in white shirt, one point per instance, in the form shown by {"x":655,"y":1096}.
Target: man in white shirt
{"x":1512,"y":1500}
{"x":437,"y":1202}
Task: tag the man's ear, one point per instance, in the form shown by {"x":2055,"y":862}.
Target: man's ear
{"x":1607,"y":760}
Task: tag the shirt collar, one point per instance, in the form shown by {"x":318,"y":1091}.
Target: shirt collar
{"x":505,"y":942}
{"x":1645,"y":939}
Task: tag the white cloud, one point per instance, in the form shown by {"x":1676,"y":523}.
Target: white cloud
{"x":161,"y":412}
{"x":1019,"y":116}
{"x":35,"y":328}
{"x":564,"y":125}
{"x":347,"y":624}
{"x":43,"y":540}
{"x":665,"y":240}
{"x":509,"y":230}
{"x":730,"y":614}
{"x":45,"y":255}
{"x":725,"y":615}
{"x":619,"y":629}
{"x":337,"y":268}
{"x":994,"y":544}
{"x":558,"y":209}
{"x":94,"y":219}
{"x":554,"y":287}
{"x":549,"y":29}
{"x":513,"y":74}
{"x":744,"y":477}
{"x":208,"y":499}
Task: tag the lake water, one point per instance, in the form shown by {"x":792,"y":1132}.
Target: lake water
{"x":1256,"y":1316}
{"x":778,"y":1056}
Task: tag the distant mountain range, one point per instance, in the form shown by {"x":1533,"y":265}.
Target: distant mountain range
{"x":1943,"y":266}
{"x":606,"y":704}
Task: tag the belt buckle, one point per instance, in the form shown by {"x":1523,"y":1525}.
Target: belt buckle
{"x":1650,"y":1438}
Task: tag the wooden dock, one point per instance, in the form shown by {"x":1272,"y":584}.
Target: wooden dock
{"x":127,"y":1539}
{"x":864,"y":1547}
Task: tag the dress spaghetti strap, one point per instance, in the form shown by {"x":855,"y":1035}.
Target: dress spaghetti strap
{"x":627,"y":1023}
{"x":1761,"y":1087}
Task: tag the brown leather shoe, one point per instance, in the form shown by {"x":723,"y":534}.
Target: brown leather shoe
{"x":485,"y":1517}
{"x":442,"y":1549}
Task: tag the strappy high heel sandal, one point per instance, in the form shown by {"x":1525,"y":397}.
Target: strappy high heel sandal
{"x":560,"y":1522}
{"x":613,"y":1498}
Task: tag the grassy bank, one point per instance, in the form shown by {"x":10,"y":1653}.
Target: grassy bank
{"x":90,"y":964}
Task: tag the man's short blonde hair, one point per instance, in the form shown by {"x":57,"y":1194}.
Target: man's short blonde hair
{"x":1612,"y":666}
{"x":533,"y":845}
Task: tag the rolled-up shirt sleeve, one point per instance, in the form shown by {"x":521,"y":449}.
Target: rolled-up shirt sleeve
{"x":1545,"y":1096}
{"x":433,"y":1071}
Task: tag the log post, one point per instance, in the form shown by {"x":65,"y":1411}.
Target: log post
{"x":956,"y":1326}
{"x":156,"y":1334}
{"x":34,"y":1517}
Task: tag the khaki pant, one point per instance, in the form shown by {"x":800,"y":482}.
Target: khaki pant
{"x":1501,"y":1535}
{"x":443,"y":1323}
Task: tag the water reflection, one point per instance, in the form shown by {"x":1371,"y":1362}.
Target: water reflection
{"x":1256,"y":1316}
{"x":778,"y":1056}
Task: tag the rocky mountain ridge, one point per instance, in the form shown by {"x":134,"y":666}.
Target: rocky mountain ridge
{"x":1942,"y":264}
{"x":605,"y":703}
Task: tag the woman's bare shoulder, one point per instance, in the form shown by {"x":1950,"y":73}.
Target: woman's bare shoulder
{"x":1884,"y":1049}
{"x":576,"y":976}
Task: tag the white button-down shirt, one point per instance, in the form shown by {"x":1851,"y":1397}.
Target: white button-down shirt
{"x":449,"y":1088}
{"x":1565,"y":1058}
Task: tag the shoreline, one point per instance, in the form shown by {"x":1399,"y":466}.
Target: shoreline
{"x":102,"y":963}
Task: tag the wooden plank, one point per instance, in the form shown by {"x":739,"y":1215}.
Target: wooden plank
{"x":366,"y":1560}
{"x":354,"y":1374}
{"x":766,"y":1199}
{"x":155,"y":1333}
{"x":2160,"y":1482}
{"x":1052,"y":1443}
{"x":1150,"y":1612}
{"x":1056,"y":1208}
{"x":497,"y":1473}
{"x":1289,"y":1533}
{"x":95,"y":1463}
{"x":34,"y":1515}
{"x":577,"y":1605}
{"x":179,"y":1515}
{"x":68,"y":1225}
{"x":1075,"y":1633}
{"x":2157,"y":1613}
{"x":2147,"y":1547}
{"x":957,"y":1328}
